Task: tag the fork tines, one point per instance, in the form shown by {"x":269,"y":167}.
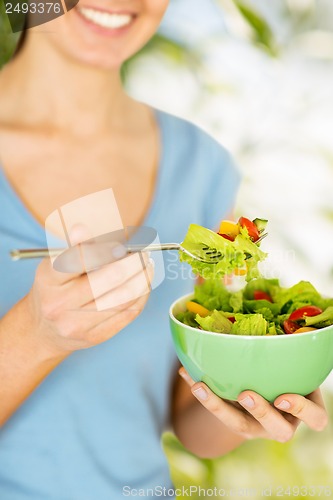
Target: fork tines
{"x":212,"y":253}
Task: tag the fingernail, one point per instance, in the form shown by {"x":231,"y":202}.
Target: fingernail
{"x":284,"y":405}
{"x":248,"y":402}
{"x":119,"y":251}
{"x":200,"y":393}
{"x":151,"y":262}
{"x":184,"y":374}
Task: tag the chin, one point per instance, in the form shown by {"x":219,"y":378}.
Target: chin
{"x":93,"y":57}
{"x":102,"y":38}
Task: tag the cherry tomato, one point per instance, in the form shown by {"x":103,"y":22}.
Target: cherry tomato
{"x":290,"y":326}
{"x":260,"y":295}
{"x":302,"y":312}
{"x":250,"y":226}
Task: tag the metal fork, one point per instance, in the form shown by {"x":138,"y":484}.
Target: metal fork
{"x":211,"y":255}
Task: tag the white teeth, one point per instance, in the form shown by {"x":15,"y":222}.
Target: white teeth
{"x":105,"y":19}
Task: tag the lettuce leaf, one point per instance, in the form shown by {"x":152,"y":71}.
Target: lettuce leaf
{"x":249,"y":324}
{"x":275,"y":329}
{"x":215,"y":322}
{"x":268,"y":309}
{"x":299,"y":295}
{"x":236,"y":301}
{"x":212,"y":294}
{"x":188,"y":318}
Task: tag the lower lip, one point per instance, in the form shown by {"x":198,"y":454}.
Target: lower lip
{"x":111,"y":32}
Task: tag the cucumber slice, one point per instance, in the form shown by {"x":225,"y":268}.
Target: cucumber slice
{"x":261,"y":224}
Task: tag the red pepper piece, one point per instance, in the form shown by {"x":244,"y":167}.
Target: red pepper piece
{"x":260,"y":295}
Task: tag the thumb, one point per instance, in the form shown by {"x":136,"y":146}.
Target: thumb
{"x":72,"y":260}
{"x":94,"y":252}
{"x":78,"y":234}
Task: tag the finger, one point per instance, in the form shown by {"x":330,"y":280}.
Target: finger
{"x":310,"y":409}
{"x":88,"y":256}
{"x":81,"y":297}
{"x":85,"y":256}
{"x":78,"y":233}
{"x":112,"y":325}
{"x":87,"y":288}
{"x":86,"y":328}
{"x":50,"y":276}
{"x":81,"y":325}
{"x":316,"y":397}
{"x":70,"y":263}
{"x":276,"y":426}
{"x":185,"y":375}
{"x":114,"y":275}
{"x":119,"y":298}
{"x":235,"y":419}
{"x":295,"y":422}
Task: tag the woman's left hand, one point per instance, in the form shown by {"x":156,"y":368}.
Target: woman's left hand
{"x":253,"y":417}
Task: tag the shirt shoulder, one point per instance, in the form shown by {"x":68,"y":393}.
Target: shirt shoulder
{"x":183,"y":135}
{"x":210,"y":166}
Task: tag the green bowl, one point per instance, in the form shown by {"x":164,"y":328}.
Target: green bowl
{"x":270,"y":366}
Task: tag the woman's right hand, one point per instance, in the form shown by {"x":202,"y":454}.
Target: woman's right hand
{"x":62,"y":306}
{"x":64,"y":312}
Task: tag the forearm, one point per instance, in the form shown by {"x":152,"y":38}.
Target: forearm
{"x":24,"y":360}
{"x":202,"y":433}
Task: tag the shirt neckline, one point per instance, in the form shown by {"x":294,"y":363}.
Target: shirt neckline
{"x":158,"y":115}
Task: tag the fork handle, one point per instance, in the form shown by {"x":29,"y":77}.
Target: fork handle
{"x":38,"y":253}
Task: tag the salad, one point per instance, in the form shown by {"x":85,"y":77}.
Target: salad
{"x":263,"y":306}
{"x":236,"y":244}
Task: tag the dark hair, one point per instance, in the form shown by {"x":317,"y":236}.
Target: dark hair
{"x":22,"y":37}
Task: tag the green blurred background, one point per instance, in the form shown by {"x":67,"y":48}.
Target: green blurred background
{"x":258,"y":76}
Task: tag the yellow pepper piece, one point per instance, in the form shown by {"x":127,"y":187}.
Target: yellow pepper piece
{"x":197,"y":309}
{"x":229,"y":228}
{"x":305,"y":329}
{"x":240,"y":271}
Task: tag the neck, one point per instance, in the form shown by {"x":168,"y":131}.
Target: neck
{"x":52,"y":91}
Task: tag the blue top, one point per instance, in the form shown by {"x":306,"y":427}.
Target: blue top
{"x":94,"y":425}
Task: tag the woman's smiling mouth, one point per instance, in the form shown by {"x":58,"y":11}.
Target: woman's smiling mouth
{"x":104,"y":19}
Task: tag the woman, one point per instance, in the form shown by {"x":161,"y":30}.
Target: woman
{"x":68,"y":129}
